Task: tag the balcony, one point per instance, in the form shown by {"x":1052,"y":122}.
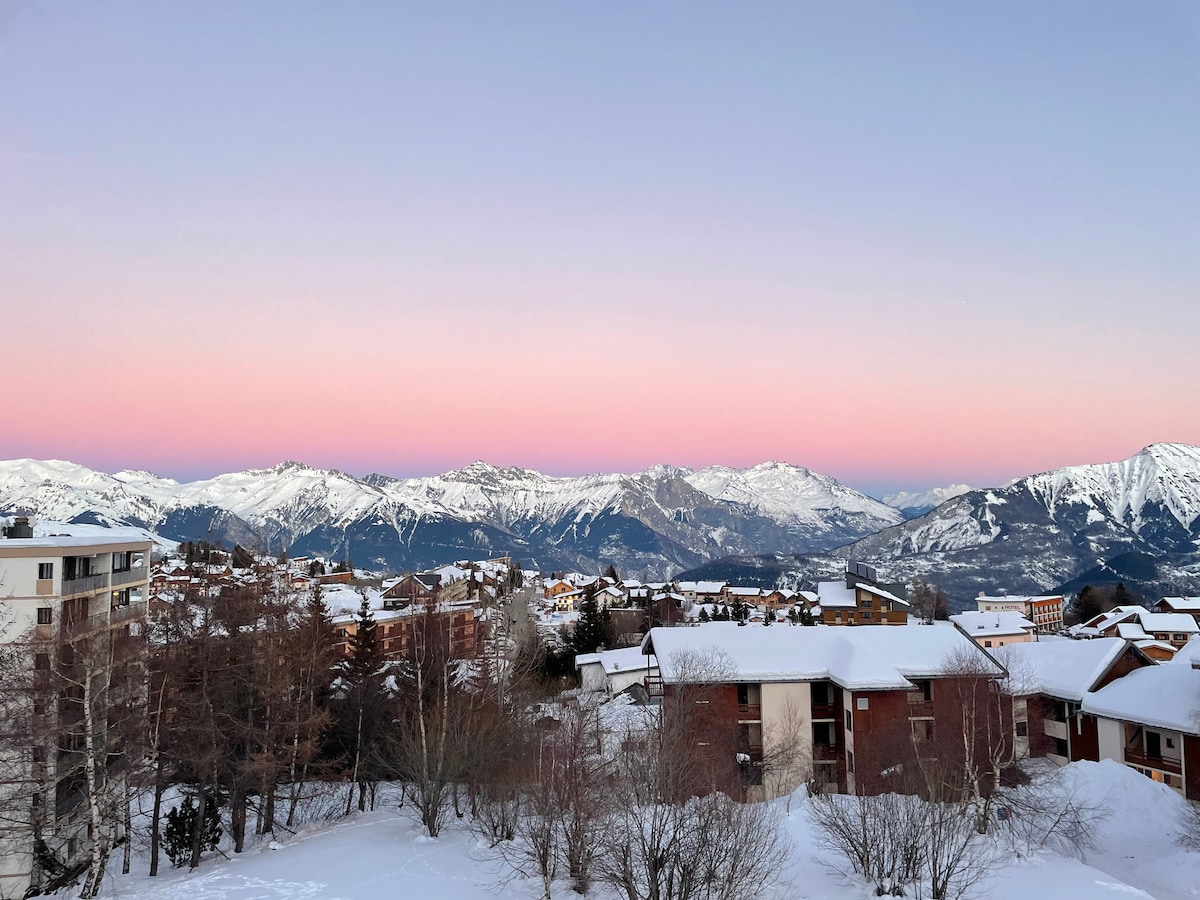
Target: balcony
{"x":85,"y":584}
{"x":826,"y":753}
{"x":130,"y":613}
{"x":749,"y":712}
{"x":129,"y":576}
{"x":1056,"y":729}
{"x":73,"y":629}
{"x":825,"y":711}
{"x":1138,"y":758}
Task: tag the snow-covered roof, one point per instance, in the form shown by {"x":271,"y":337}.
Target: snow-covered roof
{"x":1063,"y":669}
{"x":613,"y":661}
{"x":701,"y":587}
{"x":1182,"y":604}
{"x":879,"y":658}
{"x":1002,"y":622}
{"x":1155,"y":645}
{"x":1159,"y":696}
{"x":744,"y":591}
{"x":835,"y":595}
{"x":880,"y":592}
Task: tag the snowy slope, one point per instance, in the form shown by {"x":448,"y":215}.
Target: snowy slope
{"x":384,"y":854}
{"x":790,"y":493}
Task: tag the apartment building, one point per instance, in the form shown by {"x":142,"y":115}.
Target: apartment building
{"x":850,"y":704}
{"x":72,"y":616}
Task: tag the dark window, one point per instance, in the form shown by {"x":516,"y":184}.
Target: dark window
{"x":823,"y":734}
{"x":1022,"y":728}
{"x":922,"y":729}
{"x":45,"y":570}
{"x":1061,"y":748}
{"x":849,"y":721}
{"x":820,"y":694}
{"x":921,"y":692}
{"x":850,"y":760}
{"x":1153,"y":743}
{"x":41,"y":662}
{"x":743,"y":694}
{"x":45,"y":615}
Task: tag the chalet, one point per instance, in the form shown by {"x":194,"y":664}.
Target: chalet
{"x":414,"y":589}
{"x":861,"y":599}
{"x":552,"y":587}
{"x":749,"y":595}
{"x":995,"y":629}
{"x":1045,"y":612}
{"x":1149,"y":721}
{"x":1048,"y":681}
{"x":1136,"y":623}
{"x":856,"y":700}
{"x":613,"y":671}
{"x":780,"y":599}
{"x":610,"y":597}
{"x":701,"y":591}
{"x":1188,"y":605}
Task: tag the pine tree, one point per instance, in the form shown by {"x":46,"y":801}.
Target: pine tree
{"x":364,"y":711}
{"x":704,"y":616}
{"x":593,"y":629}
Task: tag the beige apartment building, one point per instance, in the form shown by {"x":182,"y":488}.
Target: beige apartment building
{"x":72,"y":611}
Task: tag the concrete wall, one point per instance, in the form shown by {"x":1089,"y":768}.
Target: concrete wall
{"x":787,"y":736}
{"x":1111,"y":736}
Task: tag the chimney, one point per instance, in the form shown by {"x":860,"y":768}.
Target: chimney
{"x":20,"y":528}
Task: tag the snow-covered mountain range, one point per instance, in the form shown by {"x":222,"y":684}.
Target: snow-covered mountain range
{"x":1137,"y":520}
{"x":650,"y":523}
{"x":917,"y":504}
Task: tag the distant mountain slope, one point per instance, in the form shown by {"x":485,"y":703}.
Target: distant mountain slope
{"x":1038,"y":533}
{"x":650,"y":523}
{"x":917,"y":504}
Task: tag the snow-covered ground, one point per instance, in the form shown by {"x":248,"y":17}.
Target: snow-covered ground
{"x":384,"y":854}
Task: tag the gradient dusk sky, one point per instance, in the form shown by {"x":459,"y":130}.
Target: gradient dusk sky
{"x":900,"y":243}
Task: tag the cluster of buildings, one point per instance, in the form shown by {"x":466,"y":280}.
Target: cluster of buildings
{"x":843,"y":698}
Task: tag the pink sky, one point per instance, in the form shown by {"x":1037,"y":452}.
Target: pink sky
{"x":905,"y":246}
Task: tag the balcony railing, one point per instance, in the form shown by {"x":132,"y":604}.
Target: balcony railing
{"x":128,"y":576}
{"x":1136,"y":758}
{"x":752,"y":711}
{"x":85,"y":584}
{"x":824,"y":711}
{"x":129,"y":613}
{"x":826,"y":752}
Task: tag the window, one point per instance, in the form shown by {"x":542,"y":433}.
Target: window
{"x":849,"y":721}
{"x":849,"y":760}
{"x":45,"y":570}
{"x":820,"y":694}
{"x":41,"y":662}
{"x":922,"y":729}
{"x":823,"y":734}
{"x":1022,"y":728}
{"x":921,"y":692}
{"x":45,"y":615}
{"x":39,"y":754}
{"x":866,"y":604}
{"x":987,"y":643}
{"x":867,"y":614}
{"x":1061,"y":748}
{"x":863,"y":703}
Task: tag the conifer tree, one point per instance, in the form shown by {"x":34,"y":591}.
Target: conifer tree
{"x":594,"y":626}
{"x":704,"y":616}
{"x":364,"y":709}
